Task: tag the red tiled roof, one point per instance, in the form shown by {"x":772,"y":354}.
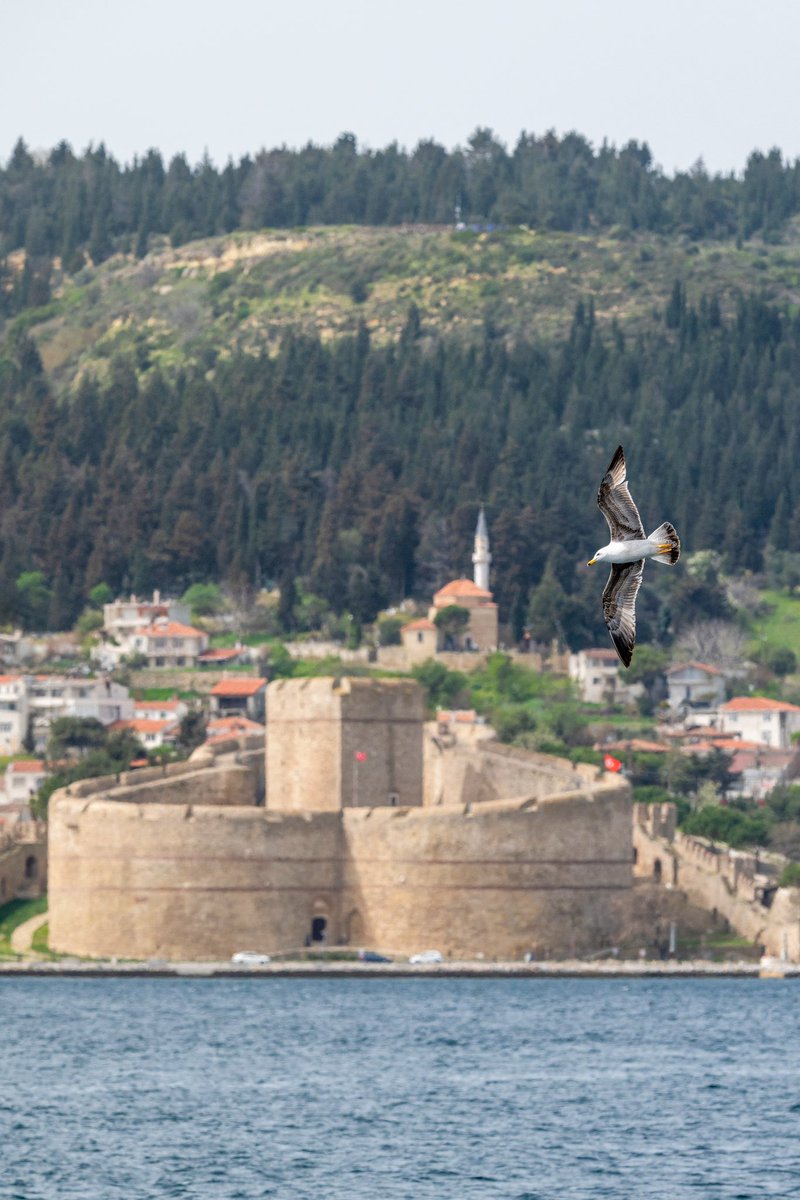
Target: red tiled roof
{"x":171,"y":629}
{"x":143,"y":725}
{"x":27,"y":767}
{"x":706,"y":733}
{"x":420,"y":623}
{"x":698,"y":748}
{"x":156,"y":705}
{"x":228,"y":727}
{"x":729,"y":745}
{"x":698,"y":666}
{"x":220,"y":654}
{"x":765,"y":757}
{"x":10,"y":678}
{"x":758,"y":704}
{"x":238,"y":687}
{"x":602,"y":655}
{"x":233,"y":725}
{"x":463,"y":587}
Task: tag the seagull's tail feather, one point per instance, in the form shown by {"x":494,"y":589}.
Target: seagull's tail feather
{"x":666,"y":535}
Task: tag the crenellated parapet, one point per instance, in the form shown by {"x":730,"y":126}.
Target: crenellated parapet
{"x":738,"y":885}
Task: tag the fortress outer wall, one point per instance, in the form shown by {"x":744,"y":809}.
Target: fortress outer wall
{"x":186,"y":882}
{"x":498,"y":879}
{"x":199,"y":882}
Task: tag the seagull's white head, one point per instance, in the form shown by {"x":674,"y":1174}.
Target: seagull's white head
{"x":598,"y":554}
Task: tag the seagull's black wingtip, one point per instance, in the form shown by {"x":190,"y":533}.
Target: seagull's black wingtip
{"x":624,"y":650}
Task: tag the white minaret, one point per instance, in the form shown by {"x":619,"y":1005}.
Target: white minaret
{"x":481,"y":557}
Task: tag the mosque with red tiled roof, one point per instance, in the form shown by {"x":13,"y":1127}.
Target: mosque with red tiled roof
{"x":424,"y":637}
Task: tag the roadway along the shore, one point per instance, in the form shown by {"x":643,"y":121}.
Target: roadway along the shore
{"x":634,"y":969}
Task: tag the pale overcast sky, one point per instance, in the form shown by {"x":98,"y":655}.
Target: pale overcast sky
{"x":710,"y":78}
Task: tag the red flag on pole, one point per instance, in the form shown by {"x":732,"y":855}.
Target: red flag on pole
{"x":610,"y":763}
{"x":361,"y":756}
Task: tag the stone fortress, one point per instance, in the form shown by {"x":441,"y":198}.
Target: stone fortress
{"x":357,"y":826}
{"x":361,"y":826}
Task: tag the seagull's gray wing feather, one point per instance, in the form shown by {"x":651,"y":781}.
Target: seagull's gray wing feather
{"x":619,"y":606}
{"x":616,"y":504}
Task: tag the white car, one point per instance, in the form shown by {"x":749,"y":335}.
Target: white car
{"x":250,"y":958}
{"x":427,"y":956}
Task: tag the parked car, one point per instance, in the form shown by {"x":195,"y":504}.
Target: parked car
{"x":427,"y":956}
{"x":372,"y":956}
{"x":249,"y":958}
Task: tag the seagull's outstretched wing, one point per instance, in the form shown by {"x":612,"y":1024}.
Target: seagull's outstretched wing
{"x":619,"y":606}
{"x":616,"y":504}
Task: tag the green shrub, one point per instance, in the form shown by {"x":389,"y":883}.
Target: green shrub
{"x":444,"y":687}
{"x":511,"y":720}
{"x":729,"y":825}
{"x":389,"y":631}
{"x":790,"y":876}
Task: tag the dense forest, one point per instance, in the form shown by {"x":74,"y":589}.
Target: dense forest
{"x":70,"y":205}
{"x":354,"y":470}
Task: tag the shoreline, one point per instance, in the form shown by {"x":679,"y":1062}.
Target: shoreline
{"x":690,"y":969}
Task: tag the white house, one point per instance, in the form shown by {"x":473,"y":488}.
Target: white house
{"x":15,"y":648}
{"x":67,"y":696}
{"x":13,"y":712}
{"x":151,"y":733}
{"x":123,"y":617}
{"x":159,"y":710}
{"x":759,"y":719}
{"x":757,"y":771}
{"x":239,"y":695}
{"x":168,"y":643}
{"x":23,"y":780}
{"x":35,"y":701}
{"x":54,"y":696}
{"x":420,"y":640}
{"x":596,"y":673}
{"x":695,"y":684}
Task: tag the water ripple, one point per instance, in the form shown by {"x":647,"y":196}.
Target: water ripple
{"x":418,"y":1089}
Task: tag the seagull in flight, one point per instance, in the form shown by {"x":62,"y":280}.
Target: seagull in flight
{"x":627,"y":551}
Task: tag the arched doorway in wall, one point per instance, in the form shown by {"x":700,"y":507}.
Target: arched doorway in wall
{"x":657,"y":870}
{"x":31,"y":867}
{"x":319,"y":931}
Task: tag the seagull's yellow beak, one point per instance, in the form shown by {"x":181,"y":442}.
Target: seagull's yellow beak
{"x":591,"y":562}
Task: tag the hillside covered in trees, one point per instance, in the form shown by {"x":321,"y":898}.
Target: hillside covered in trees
{"x":360,"y":467}
{"x":70,"y":205}
{"x":325,"y":409}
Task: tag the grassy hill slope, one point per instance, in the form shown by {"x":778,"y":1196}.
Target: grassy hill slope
{"x":198,"y":301}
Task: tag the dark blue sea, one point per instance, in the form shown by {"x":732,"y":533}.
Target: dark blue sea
{"x":336,"y":1089}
